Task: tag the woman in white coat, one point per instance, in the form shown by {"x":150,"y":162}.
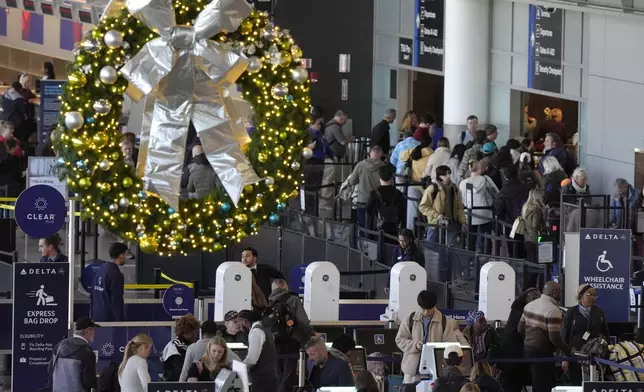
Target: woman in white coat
{"x":438,"y":158}
{"x":133,"y":372}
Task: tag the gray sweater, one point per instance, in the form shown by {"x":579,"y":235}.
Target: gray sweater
{"x":365,"y":176}
{"x":195,"y":352}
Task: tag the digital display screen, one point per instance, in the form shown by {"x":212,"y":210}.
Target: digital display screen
{"x":12,"y":3}
{"x":85,"y":16}
{"x":47,"y":9}
{"x":29,"y":5}
{"x":65,"y":12}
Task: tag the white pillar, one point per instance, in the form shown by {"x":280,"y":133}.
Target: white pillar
{"x":467,"y":52}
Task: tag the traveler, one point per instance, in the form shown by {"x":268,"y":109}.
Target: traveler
{"x":406,"y":251}
{"x":483,"y":339}
{"x":408,"y":141}
{"x":380,"y":135}
{"x":469,"y":134}
{"x":342,"y":346}
{"x":127,"y":149}
{"x":337,"y":144}
{"x":470,"y":387}
{"x":133,"y":372}
{"x":202,"y":180}
{"x":231,"y":331}
{"x":427,"y":324}
{"x":197,"y":350}
{"x":512,"y":197}
{"x":131,"y":137}
{"x":483,"y":376}
{"x":515,"y":150}
{"x":553,"y":147}
{"x":186,"y":331}
{"x":48,"y":71}
{"x":533,"y":214}
{"x":335,"y":136}
{"x":553,"y":175}
{"x":416,"y":159}
{"x":493,"y":167}
{"x":365,"y":177}
{"x":73,"y":364}
{"x":577,"y":186}
{"x":314,"y":168}
{"x":426,"y":129}
{"x":286,"y":318}
{"x":325,"y":370}
{"x":455,"y":161}
{"x":408,"y":123}
{"x":49,"y":248}
{"x":106,"y":301}
{"x":258,"y":300}
{"x":262,"y":356}
{"x":7,"y":134}
{"x":366,"y":382}
{"x":452,"y":379}
{"x":541,"y":326}
{"x":439,"y":157}
{"x":491,"y":133}
{"x":14,"y":107}
{"x":624,"y":204}
{"x":263,"y":273}
{"x":443,"y":206}
{"x":214,"y":358}
{"x":471,"y":154}
{"x":484,"y":192}
{"x":581,"y":324}
{"x":386,"y":205}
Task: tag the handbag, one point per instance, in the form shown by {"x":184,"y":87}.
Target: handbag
{"x":518,"y":227}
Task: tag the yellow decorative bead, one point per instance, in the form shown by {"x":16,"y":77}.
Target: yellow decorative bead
{"x":246,"y":27}
{"x":262,"y":157}
{"x":77,"y":79}
{"x":127,"y":182}
{"x":84,"y":183}
{"x":100,"y":139}
{"x":217,"y":247}
{"x":115,"y":155}
{"x":124,"y":216}
{"x":148,"y":244}
{"x":242,"y":218}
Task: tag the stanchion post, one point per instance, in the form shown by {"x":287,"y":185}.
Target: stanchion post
{"x":71,"y":248}
{"x":593,"y":369}
{"x":195,"y":288}
{"x":157,"y":280}
{"x":301,"y":366}
{"x":200,"y":311}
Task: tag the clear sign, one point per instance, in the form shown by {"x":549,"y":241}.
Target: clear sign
{"x":296,"y":279}
{"x":40,"y":211}
{"x":604,"y":263}
{"x":40,"y":320}
{"x":179,"y":300}
{"x":50,"y":107}
{"x":41,"y":171}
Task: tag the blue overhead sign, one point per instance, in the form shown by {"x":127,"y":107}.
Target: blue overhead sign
{"x":604,"y":263}
{"x":40,"y":211}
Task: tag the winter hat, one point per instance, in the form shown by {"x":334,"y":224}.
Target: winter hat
{"x":488,"y":148}
{"x":474,"y":316}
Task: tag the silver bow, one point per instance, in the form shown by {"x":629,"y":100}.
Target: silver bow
{"x":187,"y":78}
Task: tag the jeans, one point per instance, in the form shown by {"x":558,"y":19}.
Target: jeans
{"x":361,"y":215}
{"x":326,"y":200}
{"x":543,"y":374}
{"x":482,"y":228}
{"x":450,"y":237}
{"x":415,"y":193}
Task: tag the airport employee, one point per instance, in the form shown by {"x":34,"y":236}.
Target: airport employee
{"x":106,"y":303}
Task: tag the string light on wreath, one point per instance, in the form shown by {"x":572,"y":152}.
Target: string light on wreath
{"x":111,"y":192}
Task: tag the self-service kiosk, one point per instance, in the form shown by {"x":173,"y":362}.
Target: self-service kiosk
{"x":232,"y":288}
{"x":322,"y":291}
{"x":497,"y":286}
{"x":407,"y":279}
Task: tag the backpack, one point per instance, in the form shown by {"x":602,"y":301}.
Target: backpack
{"x":108,"y":381}
{"x":411,"y":322}
{"x":278,"y":319}
{"x":387,"y":213}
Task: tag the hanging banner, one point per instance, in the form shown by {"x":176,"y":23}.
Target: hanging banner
{"x":604,"y":263}
{"x":50,"y":92}
{"x":40,"y":320}
{"x":179,"y":300}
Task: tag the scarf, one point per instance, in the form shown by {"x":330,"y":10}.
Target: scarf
{"x":181,"y":346}
{"x":585,"y":311}
{"x":579,"y":189}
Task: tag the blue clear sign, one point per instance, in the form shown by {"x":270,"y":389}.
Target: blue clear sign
{"x":604,"y":263}
{"x":40,"y":320}
{"x":50,"y":107}
{"x":40,"y":211}
{"x":296,"y":279}
{"x":179,"y":300}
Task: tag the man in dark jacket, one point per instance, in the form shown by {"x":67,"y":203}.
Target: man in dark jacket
{"x":263,"y":274}
{"x":512,"y":196}
{"x":73,"y":364}
{"x":335,"y":136}
{"x":387,"y":207}
{"x":106,"y":303}
{"x":380,"y":133}
{"x":451,"y":379}
{"x":553,"y":147}
{"x":325,"y":370}
{"x":262,"y":356}
{"x":286,"y":308}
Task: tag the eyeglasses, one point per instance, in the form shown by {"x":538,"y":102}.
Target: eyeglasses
{"x":591,"y":295}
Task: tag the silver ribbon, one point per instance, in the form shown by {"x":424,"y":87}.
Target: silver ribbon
{"x":187,"y":77}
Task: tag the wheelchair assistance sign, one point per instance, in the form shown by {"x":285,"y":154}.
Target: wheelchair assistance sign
{"x":605,"y":264}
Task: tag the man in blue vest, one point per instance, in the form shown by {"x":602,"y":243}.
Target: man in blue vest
{"x":107,"y":290}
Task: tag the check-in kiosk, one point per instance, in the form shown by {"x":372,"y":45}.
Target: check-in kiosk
{"x":497,"y":286}
{"x":432,"y":363}
{"x":322,"y":291}
{"x":232,"y":288}
{"x":407,"y":279}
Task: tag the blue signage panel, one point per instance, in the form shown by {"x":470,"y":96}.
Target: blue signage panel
{"x":429,"y":38}
{"x":604,"y":263}
{"x":40,"y":320}
{"x":179,"y":300}
{"x":40,"y":211}
{"x":296,"y":279}
{"x":545,"y":48}
{"x":50,"y":92}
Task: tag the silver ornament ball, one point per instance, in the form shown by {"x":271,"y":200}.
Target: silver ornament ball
{"x":102,"y":106}
{"x":113,"y":39}
{"x":280,"y":90}
{"x":307,"y":153}
{"x":253,"y":209}
{"x":295,"y":165}
{"x":300,"y":75}
{"x":74,"y":120}
{"x":124,"y":202}
{"x":269,"y":32}
{"x":91,"y":45}
{"x":269,"y":180}
{"x":104,"y":165}
{"x":140,"y":228}
{"x":114,"y":207}
{"x":108,"y":75}
{"x":254,"y":64}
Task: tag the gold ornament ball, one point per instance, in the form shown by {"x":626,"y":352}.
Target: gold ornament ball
{"x":115,"y":155}
{"x":166,"y":223}
{"x":253,"y":209}
{"x":279,"y":150}
{"x":127,"y":182}
{"x":300,"y":75}
{"x":148,"y":244}
{"x":84,"y":183}
{"x":217,"y":247}
{"x":124,"y":216}
{"x":246,"y":27}
{"x":283,"y":135}
{"x":285,"y":58}
{"x":107,"y":187}
{"x":77,"y":79}
{"x":280,"y":90}
{"x":100,"y":139}
{"x":262,"y":157}
{"x":296,"y":51}
{"x":78,"y":142}
{"x":104,"y":165}
{"x":242,"y":218}
{"x":248,"y":188}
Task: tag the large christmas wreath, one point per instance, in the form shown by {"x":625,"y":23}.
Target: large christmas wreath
{"x":272,"y":80}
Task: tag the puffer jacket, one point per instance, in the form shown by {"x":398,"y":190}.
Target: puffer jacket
{"x":14,"y":107}
{"x":365,"y":176}
{"x":72,"y":367}
{"x":202,"y":178}
{"x":464,"y":168}
{"x":417,"y":167}
{"x":440,"y":157}
{"x":410,"y":339}
{"x":534,"y":223}
{"x":484,"y":194}
{"x":432,"y":207}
